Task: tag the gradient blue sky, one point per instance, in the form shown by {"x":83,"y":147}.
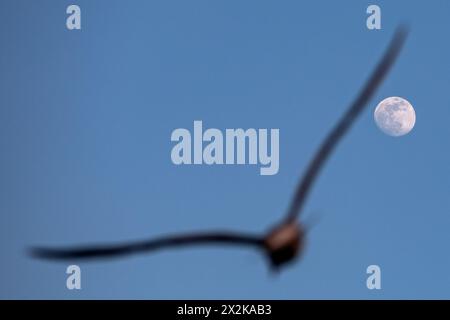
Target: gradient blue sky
{"x":85,"y":124}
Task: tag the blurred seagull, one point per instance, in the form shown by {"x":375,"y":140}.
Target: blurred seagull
{"x":281,"y":244}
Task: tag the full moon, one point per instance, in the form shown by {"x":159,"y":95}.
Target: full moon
{"x":395,"y":116}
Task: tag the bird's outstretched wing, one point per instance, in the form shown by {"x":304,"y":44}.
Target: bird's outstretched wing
{"x":345,"y":122}
{"x":95,"y":252}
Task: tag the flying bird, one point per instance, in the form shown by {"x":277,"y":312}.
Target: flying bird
{"x":283,"y":243}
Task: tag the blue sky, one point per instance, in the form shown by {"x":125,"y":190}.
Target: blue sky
{"x":85,"y":124}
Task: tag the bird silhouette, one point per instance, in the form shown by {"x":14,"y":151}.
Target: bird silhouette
{"x":283,"y":243}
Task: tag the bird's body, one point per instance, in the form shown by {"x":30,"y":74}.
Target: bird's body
{"x":284,"y":243}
